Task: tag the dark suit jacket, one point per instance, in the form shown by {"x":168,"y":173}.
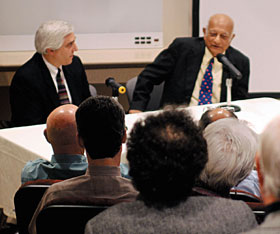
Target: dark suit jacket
{"x":33,"y":95}
{"x":178,"y":66}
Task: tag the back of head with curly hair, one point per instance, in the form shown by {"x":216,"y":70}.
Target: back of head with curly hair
{"x":166,"y":154}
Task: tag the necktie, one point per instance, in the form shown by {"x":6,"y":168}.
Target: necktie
{"x":62,"y":93}
{"x":205,"y":93}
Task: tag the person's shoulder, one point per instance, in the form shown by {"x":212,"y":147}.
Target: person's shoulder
{"x":237,"y":54}
{"x":34,"y":60}
{"x":188,"y":41}
{"x":33,"y":170}
{"x":31,"y":66}
{"x":68,"y":184}
{"x":237,"y":214}
{"x":31,"y":165}
{"x":182,"y":45}
{"x":120,"y":210}
{"x":221,"y":202}
{"x":235,"y":208}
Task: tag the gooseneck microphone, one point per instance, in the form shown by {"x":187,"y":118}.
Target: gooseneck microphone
{"x":110,"y":82}
{"x":225,"y":61}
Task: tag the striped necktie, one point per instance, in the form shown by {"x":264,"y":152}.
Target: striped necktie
{"x":205,"y":93}
{"x":62,"y":93}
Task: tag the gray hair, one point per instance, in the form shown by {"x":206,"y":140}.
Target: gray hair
{"x":232,"y":147}
{"x":270,"y":157}
{"x":51,"y":35}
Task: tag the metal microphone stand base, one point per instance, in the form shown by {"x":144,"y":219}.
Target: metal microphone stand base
{"x":233,"y":108}
{"x":228,"y":106}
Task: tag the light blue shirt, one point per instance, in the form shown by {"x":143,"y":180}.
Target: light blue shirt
{"x":60,"y":167}
{"x":250,"y":184}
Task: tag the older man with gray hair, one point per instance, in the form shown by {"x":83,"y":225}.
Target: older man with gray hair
{"x":232,"y":146}
{"x":268,"y":166}
{"x":52,"y":77}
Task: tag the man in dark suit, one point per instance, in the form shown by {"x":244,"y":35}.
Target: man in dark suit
{"x":183,"y":64}
{"x":35,"y":91}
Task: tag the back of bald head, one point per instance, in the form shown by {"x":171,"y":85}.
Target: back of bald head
{"x":213,"y":115}
{"x":61,"y":125}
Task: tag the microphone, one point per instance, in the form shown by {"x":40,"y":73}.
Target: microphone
{"x":115,"y":85}
{"x":225,"y":61}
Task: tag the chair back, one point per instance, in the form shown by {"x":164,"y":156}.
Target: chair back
{"x":26,"y":201}
{"x":155,"y":97}
{"x":92,"y":90}
{"x":66,"y":218}
{"x":236,"y":194}
{"x":253,"y":201}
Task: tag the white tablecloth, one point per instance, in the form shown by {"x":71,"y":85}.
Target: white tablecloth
{"x":19,"y":145}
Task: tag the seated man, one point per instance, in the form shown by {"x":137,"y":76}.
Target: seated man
{"x":250,"y":183}
{"x":52,"y":77}
{"x":166,"y":153}
{"x":101,"y":130}
{"x":68,"y":159}
{"x":268,"y":166}
{"x":232,"y":147}
{"x":189,"y":61}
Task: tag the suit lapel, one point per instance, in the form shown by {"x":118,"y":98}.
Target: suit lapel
{"x":47,"y":80}
{"x":194,"y":63}
{"x":198,"y":51}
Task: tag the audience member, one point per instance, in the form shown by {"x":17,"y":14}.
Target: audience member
{"x":52,"y":77}
{"x":68,"y":159}
{"x":251,"y":182}
{"x":183,"y":64}
{"x":101,"y":130}
{"x":166,"y":153}
{"x":268,"y":166}
{"x":212,"y":115}
{"x":232,"y":147}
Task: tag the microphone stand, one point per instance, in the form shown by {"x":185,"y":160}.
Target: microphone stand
{"x":228,"y":106}
{"x":115,"y":93}
{"x":116,"y":88}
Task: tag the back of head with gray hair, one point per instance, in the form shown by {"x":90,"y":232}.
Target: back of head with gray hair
{"x":270,"y":158}
{"x":51,"y":35}
{"x":232,"y":146}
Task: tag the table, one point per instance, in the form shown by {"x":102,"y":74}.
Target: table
{"x":19,"y":145}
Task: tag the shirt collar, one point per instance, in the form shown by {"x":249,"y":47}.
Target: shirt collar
{"x":208,"y":56}
{"x":66,"y":158}
{"x":103,"y":170}
{"x":53,"y":69}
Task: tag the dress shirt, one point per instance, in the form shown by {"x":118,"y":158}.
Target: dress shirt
{"x":53,"y":71}
{"x":250,"y":184}
{"x":217,"y":72}
{"x":60,"y":167}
